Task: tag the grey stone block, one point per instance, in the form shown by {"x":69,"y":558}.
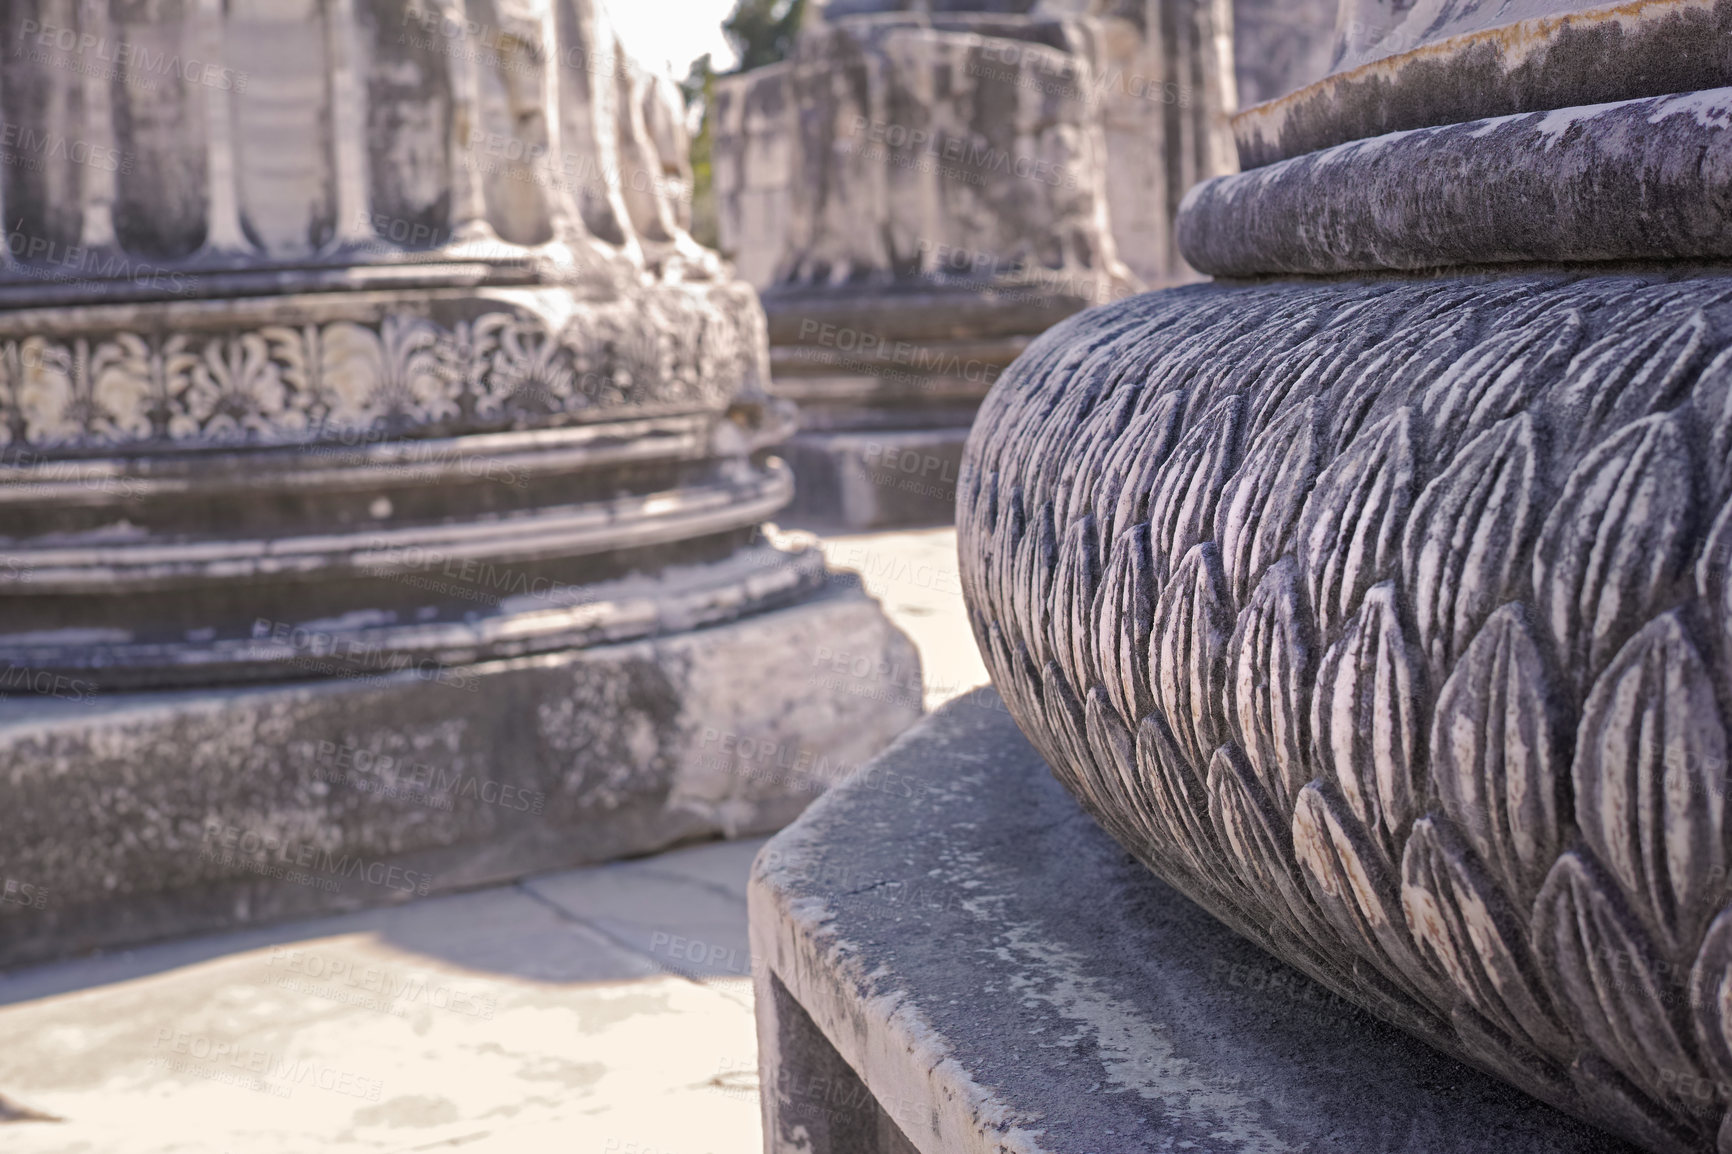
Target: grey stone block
{"x":887,"y":477}
{"x":138,"y":816}
{"x":933,"y":184}
{"x":953,"y":957}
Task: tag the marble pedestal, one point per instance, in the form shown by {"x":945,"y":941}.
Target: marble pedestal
{"x":887,"y":384}
{"x":918,"y":193}
{"x":381,"y":472}
{"x":1375,"y":596}
{"x":1000,"y":976}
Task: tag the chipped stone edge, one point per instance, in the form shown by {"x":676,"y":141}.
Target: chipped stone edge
{"x":793,"y":936}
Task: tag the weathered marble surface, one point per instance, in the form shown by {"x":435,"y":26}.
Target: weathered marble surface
{"x":1280,"y":46}
{"x":1000,"y":976}
{"x":986,"y":142}
{"x":1388,"y":620}
{"x":146,"y":815}
{"x":918,"y":137}
{"x":938,"y":183}
{"x":1500,"y":59}
{"x":1385,"y":615}
{"x":1554,"y":186}
{"x":521,"y":128}
{"x":1368,"y":30}
{"x":385,"y":383}
{"x":752,"y":164}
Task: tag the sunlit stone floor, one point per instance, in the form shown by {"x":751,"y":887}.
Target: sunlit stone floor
{"x":604,"y":1010}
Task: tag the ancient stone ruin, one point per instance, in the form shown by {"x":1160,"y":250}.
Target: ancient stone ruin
{"x":1385,"y":616}
{"x":382,"y":470}
{"x":1376,"y":598}
{"x":922,"y":189}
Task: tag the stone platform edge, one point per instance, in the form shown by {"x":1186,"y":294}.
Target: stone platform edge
{"x":200,"y":810}
{"x":950,"y":956}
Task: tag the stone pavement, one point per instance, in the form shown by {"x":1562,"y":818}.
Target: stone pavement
{"x":913,"y":574}
{"x":596,"y":1011}
{"x":600,"y":1010}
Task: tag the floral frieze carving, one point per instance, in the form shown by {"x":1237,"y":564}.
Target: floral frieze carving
{"x":408,"y":372}
{"x":1393,"y":624}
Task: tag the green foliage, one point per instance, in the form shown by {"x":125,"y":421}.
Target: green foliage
{"x":763,"y":31}
{"x":700,"y":86}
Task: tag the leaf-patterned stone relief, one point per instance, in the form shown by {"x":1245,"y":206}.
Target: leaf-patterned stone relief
{"x":402,"y":372}
{"x":1189,"y":484}
{"x":1649,"y":778}
{"x":1350,"y":532}
{"x":1400,"y":637}
{"x":1257,"y":517}
{"x":1366,"y":719}
{"x":1354,"y":886}
{"x":1475,"y":939}
{"x":1269,"y":678}
{"x":1124,"y":618}
{"x":1188,"y":653}
{"x":1468,"y":534}
{"x":1497,"y":754}
{"x":1615,"y":541}
{"x":1501,"y":376}
{"x":1627,"y":375}
{"x":1580,"y":927}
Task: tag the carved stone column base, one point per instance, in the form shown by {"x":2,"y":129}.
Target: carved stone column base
{"x":144,"y":815}
{"x":1389,"y":619}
